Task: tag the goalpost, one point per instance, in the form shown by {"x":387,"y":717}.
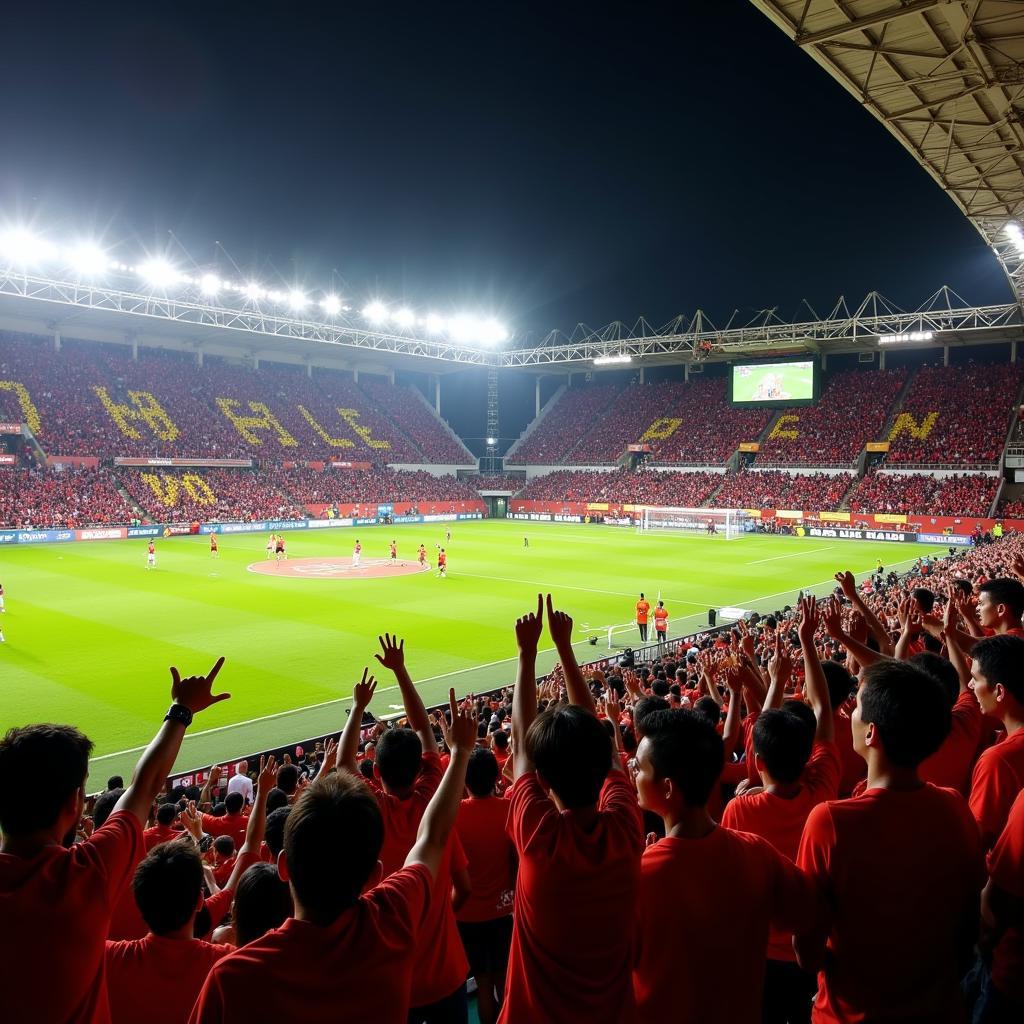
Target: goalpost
{"x":728,"y":523}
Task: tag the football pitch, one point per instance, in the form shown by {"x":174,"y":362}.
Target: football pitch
{"x":91,"y":632}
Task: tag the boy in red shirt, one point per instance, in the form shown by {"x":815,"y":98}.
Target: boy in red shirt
{"x":799,"y":769}
{"x":999,"y":610}
{"x":485,"y":919}
{"x":162,"y":832}
{"x":703,"y":887}
{"x":903,"y":913}
{"x":57,"y":898}
{"x":343,"y":952}
{"x":997,"y":672}
{"x":577,"y":829}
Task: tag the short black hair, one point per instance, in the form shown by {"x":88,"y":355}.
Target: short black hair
{"x":166,"y":813}
{"x":366,"y":768}
{"x":104,"y":806}
{"x":234,"y":802}
{"x":115,"y":782}
{"x":167,"y":885}
{"x":287,"y":778}
{"x":481,"y":772}
{"x":1000,"y":660}
{"x":644,"y":708}
{"x":276,"y":799}
{"x":273,"y":833}
{"x":224,"y":845}
{"x":40,"y":767}
{"x":262,"y":903}
{"x":924,"y":597}
{"x":659,"y":687}
{"x":1004,"y":590}
{"x":941,"y":670}
{"x":572,"y":751}
{"x":501,"y":739}
{"x":687,"y":749}
{"x":908,"y":708}
{"x":783,"y":742}
{"x":332,"y":840}
{"x":399,"y":754}
{"x":708,"y":709}
{"x":839,"y":682}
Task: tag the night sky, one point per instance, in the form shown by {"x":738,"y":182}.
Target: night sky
{"x":548,"y":162}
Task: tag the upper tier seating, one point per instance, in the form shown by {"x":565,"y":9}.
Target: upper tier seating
{"x":49,"y":500}
{"x":380,"y":484}
{"x":774,"y":488}
{"x":573,"y":415}
{"x":652,"y":487}
{"x":967,"y":494}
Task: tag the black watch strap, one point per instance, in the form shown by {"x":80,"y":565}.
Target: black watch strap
{"x":179,"y":713}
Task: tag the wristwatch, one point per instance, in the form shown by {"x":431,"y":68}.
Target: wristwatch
{"x":179,"y":713}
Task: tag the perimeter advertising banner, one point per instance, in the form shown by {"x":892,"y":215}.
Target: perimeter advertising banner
{"x":847,"y":534}
{"x":7,"y":460}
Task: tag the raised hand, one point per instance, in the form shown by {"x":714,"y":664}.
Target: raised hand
{"x":462,"y":732}
{"x":559,"y":626}
{"x":780,"y":667}
{"x":330,"y":753}
{"x":612,"y":707}
{"x":192,"y":820}
{"x":632,"y":681}
{"x":195,"y":691}
{"x":267,"y":778}
{"x":832,"y":618}
{"x":809,"y":619}
{"x":363,"y":691}
{"x":848,"y":585}
{"x":393,"y":657}
{"x":528,"y":628}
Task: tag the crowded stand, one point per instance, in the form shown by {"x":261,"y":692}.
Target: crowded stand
{"x":378,"y":484}
{"x":851,"y":411}
{"x":967,"y":494}
{"x":771,"y":792}
{"x":955,"y":415}
{"x":649,"y":487}
{"x":573,"y":416}
{"x":495,"y":482}
{"x":774,"y":488}
{"x":60,"y":500}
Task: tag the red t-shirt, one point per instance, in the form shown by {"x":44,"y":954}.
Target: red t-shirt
{"x":998,"y":778}
{"x":642,"y":610}
{"x":358,"y":968}
{"x":717,"y":895}
{"x":481,"y":827}
{"x":950,"y":766}
{"x":233,"y":825}
{"x":747,"y":731}
{"x":163,"y":976}
{"x":402,"y":817}
{"x":782,"y":821}
{"x":56,"y":908}
{"x":854,"y":766}
{"x":1006,"y":869}
{"x":575,"y":895}
{"x":661,"y":619}
{"x":159,"y":834}
{"x":901,"y":873}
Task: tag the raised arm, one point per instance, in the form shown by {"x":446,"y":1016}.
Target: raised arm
{"x":875,"y":627}
{"x":439,"y":817}
{"x":393,"y":659}
{"x":832,"y":617}
{"x":815,"y":686}
{"x":189,"y":696}
{"x":780,"y":671}
{"x":249,"y":854}
{"x":560,"y":628}
{"x":348,"y":747}
{"x":211,"y":784}
{"x":731,"y":731}
{"x":524,"y":697}
{"x":953,"y":650}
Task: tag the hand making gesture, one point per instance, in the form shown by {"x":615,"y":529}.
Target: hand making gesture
{"x":393,"y":657}
{"x":195,"y":691}
{"x":528,"y":628}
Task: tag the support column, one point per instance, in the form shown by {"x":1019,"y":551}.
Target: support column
{"x":642,"y":381}
{"x":881,"y":358}
{"x":355,"y":374}
{"x":391,"y":376}
{"x":199,"y":357}
{"x":309,"y":370}
{"x":945,"y":355}
{"x":536,"y":396}
{"x":135,"y":350}
{"x":255,"y":361}
{"x":686,"y":372}
{"x":437,"y":393}
{"x":1013,"y":351}
{"x":568,"y":379}
{"x":824,"y":360}
{"x":56,"y":341}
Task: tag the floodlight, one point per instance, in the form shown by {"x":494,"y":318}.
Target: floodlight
{"x":1015,"y":234}
{"x":159,"y":273}
{"x":297,"y":299}
{"x":331,"y":305}
{"x":491,"y":332}
{"x":610,"y":360}
{"x":21,"y":247}
{"x":434,"y":323}
{"x":87,"y":259}
{"x":376,"y":312}
{"x":464,"y":328}
{"x":210,"y":284}
{"x":492,"y":441}
{"x":253,"y":290}
{"x":405,"y":317}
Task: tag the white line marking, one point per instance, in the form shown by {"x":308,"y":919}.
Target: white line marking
{"x":552,"y":587}
{"x":794,"y":554}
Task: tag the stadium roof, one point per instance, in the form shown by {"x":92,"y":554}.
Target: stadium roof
{"x":946,"y":78}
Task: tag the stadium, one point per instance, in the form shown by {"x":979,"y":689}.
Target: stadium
{"x":199,"y":463}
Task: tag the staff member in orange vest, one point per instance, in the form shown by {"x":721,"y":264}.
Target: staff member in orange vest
{"x":643,"y":609}
{"x":661,"y":622}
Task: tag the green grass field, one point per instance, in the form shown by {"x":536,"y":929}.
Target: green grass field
{"x":91,"y":633}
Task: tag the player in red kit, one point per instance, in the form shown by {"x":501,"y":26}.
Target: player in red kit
{"x":393,"y":548}
{"x":279,"y":548}
{"x":214,"y":553}
{"x":442,"y":563}
{"x":423,"y":555}
{"x":151,"y":556}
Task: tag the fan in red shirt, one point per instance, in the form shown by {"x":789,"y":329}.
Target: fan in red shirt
{"x":233,"y":823}
{"x":57,"y":899}
{"x":999,"y":610}
{"x":902,"y":918}
{"x":800,"y":767}
{"x":704,"y":887}
{"x":998,"y":681}
{"x":162,"y":832}
{"x":577,"y":829}
{"x":485,"y":919}
{"x":351,"y":946}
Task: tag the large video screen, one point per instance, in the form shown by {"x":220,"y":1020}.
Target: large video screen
{"x":789,"y":383}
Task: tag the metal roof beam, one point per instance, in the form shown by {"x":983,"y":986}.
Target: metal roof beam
{"x":867,"y":21}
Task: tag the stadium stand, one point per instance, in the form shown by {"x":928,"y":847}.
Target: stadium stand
{"x":380,"y":484}
{"x":651,"y":487}
{"x":495,"y":482}
{"x":851,"y":411}
{"x":969,"y":494}
{"x":955,"y":415}
{"x":773,"y":488}
{"x":572,"y":417}
{"x":76,"y":497}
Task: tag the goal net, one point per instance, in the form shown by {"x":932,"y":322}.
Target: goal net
{"x":728,"y":523}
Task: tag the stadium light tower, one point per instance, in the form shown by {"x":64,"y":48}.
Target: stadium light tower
{"x":159,"y":273}
{"x":20,"y":247}
{"x":87,"y":259}
{"x":376,"y":312}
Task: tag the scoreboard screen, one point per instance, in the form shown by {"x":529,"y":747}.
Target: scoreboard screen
{"x":789,"y":383}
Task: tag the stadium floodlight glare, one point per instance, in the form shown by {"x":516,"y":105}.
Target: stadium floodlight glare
{"x":331,"y":305}
{"x":1016,"y":234}
{"x":492,"y":441}
{"x":210,"y":284}
{"x":253,"y":290}
{"x":434,"y":323}
{"x":376,"y":312}
{"x":611,"y":360}
{"x":159,"y":273}
{"x":87,"y":259}
{"x":491,"y":332}
{"x":405,"y":317}
{"x":894,"y":339}
{"x":297,"y":299}
{"x":464,"y":328}
{"x":22,"y":248}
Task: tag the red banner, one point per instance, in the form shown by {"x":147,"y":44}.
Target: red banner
{"x":350,"y":465}
{"x":7,"y":460}
{"x":85,"y":461}
{"x":207,"y":463}
{"x":10,"y":428}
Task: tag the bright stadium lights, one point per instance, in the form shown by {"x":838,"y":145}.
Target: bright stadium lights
{"x":87,"y":259}
{"x":376,"y":312}
{"x":253,"y":290}
{"x":1016,"y":235}
{"x":297,"y":300}
{"x":612,"y":360}
{"x":491,"y":332}
{"x":210,"y":284}
{"x":894,"y":339}
{"x":331,"y":305}
{"x":463,"y":328}
{"x":159,"y":273}
{"x":405,"y":317}
{"x":434,"y":323}
{"x":21,"y":247}
{"x":492,"y":441}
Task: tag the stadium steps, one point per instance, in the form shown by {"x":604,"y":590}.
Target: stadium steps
{"x":1007,"y":493}
{"x":129,"y":500}
{"x":897,"y":405}
{"x":445,"y":426}
{"x":536,"y":421}
{"x":844,"y":501}
{"x":709,"y":501}
{"x":567,"y":460}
